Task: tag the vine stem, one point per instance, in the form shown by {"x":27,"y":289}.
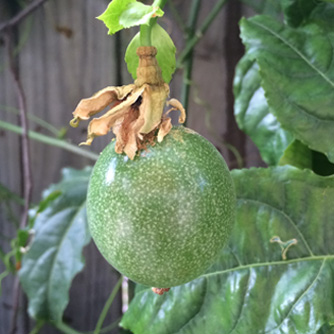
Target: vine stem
{"x":65,"y":329}
{"x":199,"y":33}
{"x":27,"y":174}
{"x":50,"y":141}
{"x":145,"y":30}
{"x":107,"y":306}
{"x":26,"y":161}
{"x":33,"y":118}
{"x":145,"y":35}
{"x":187,"y":74}
{"x":21,"y":15}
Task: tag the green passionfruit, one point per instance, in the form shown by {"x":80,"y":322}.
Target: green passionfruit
{"x":162,"y":218}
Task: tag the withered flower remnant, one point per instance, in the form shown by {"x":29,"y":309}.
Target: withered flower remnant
{"x":136,"y":113}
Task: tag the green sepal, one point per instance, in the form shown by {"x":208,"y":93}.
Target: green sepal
{"x":122,"y":14}
{"x":165,"y":56}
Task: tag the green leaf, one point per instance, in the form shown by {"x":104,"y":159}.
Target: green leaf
{"x":298,"y":155}
{"x":137,"y":13}
{"x":127,"y":13}
{"x":165,"y":56}
{"x":55,"y":255}
{"x":112,"y":14}
{"x":268,"y":7}
{"x":250,"y":289}
{"x":297,"y":11}
{"x":323,"y":16}
{"x":297,"y":69}
{"x":253,"y":114}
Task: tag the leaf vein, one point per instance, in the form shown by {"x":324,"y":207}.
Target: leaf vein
{"x":300,"y":298}
{"x":286,"y":42}
{"x":243,"y":303}
{"x":79,"y":209}
{"x":285,"y":216}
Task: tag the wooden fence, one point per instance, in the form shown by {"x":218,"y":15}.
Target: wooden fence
{"x":65,"y":54}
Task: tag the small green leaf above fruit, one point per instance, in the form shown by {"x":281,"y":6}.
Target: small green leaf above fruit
{"x":127,"y":13}
{"x":297,"y":71}
{"x":137,"y":13}
{"x":251,"y":289}
{"x":165,"y":56}
{"x":55,"y":254}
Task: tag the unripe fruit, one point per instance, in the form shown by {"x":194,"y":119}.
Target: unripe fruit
{"x":162,"y":218}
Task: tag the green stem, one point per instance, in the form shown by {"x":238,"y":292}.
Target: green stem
{"x":2,"y":276}
{"x":108,"y":328}
{"x":145,"y":35}
{"x":187,"y":74}
{"x":145,"y":30}
{"x":33,"y":118}
{"x":177,"y":16}
{"x":199,"y":33}
{"x":50,"y":141}
{"x":107,"y":306}
{"x":38,"y":327}
{"x":65,"y":329}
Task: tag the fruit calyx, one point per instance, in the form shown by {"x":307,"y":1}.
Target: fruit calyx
{"x":136,"y":115}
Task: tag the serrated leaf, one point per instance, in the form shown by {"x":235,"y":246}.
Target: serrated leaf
{"x":112,"y":14}
{"x":254,"y":116}
{"x":127,"y":13}
{"x":297,"y":11}
{"x":55,"y":255}
{"x":297,"y":71}
{"x":165,"y":56}
{"x":137,"y":13}
{"x":250,"y":289}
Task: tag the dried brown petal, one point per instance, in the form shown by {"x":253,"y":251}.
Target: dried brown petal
{"x":164,"y":128}
{"x":136,"y":112}
{"x":177,"y":105}
{"x":102,"y":125}
{"x":91,"y":106}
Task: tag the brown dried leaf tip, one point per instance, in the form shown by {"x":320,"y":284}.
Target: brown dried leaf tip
{"x":136,"y":109}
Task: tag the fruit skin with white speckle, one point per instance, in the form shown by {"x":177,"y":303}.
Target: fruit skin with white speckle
{"x":162,"y":218}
